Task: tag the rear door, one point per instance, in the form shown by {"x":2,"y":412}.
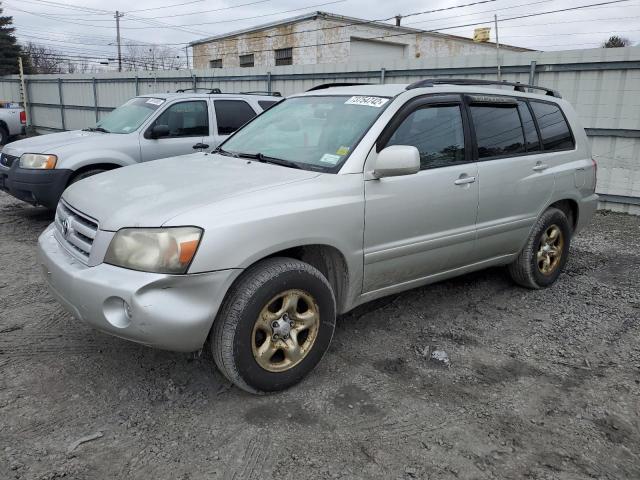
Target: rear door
{"x":189,"y":125}
{"x":230,"y":115}
{"x":514,"y":179}
{"x":422,"y":224}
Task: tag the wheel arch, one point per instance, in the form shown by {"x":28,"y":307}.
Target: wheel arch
{"x":570,"y":208}
{"x":93,"y":166}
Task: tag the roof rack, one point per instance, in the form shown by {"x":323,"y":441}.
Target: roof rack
{"x":329,"y":85}
{"x":517,"y":86}
{"x":262,"y":92}
{"x":199,"y":90}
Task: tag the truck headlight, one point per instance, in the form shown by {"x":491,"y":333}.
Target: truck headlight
{"x":157,"y":250}
{"x":38,"y":160}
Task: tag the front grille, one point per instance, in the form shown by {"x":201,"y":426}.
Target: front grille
{"x":75,"y":231}
{"x":7,"y":160}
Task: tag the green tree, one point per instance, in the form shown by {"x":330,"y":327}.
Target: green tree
{"x":615,"y":41}
{"x":9,"y":48}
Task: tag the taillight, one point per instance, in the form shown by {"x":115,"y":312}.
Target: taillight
{"x":23,"y":117}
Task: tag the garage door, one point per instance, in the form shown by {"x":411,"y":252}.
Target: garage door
{"x":361,"y":48}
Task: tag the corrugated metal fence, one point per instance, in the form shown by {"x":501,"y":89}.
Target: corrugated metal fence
{"x":602,"y":84}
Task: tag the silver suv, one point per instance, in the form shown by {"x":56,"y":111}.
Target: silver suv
{"x":149,"y":127}
{"x":327,"y":200}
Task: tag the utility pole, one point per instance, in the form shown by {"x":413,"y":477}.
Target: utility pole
{"x":23,"y":93}
{"x":495,"y":18}
{"x":118,"y":16}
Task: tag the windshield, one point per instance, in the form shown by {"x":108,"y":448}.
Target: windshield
{"x":128,"y":117}
{"x":316,"y":133}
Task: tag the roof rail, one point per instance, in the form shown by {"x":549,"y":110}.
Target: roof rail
{"x":262,"y":92}
{"x":517,"y":86}
{"x":341,"y":84}
{"x":199,"y":90}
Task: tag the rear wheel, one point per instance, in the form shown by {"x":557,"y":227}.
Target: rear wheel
{"x":544,"y":256}
{"x":274,"y":326}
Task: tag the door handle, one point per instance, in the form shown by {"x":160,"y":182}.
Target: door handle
{"x":464,"y":180}
{"x":540,"y":167}
{"x":200,"y":146}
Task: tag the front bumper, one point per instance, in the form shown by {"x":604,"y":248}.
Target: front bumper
{"x":172,"y":312}
{"x":38,"y":187}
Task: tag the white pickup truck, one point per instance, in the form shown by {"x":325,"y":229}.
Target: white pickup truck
{"x":13,"y":121}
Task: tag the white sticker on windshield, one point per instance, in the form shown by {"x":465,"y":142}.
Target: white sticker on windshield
{"x":330,"y":158}
{"x":368,"y":101}
{"x":155,"y":101}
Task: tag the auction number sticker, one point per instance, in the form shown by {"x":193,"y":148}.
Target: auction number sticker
{"x":367,"y":101}
{"x":330,"y":158}
{"x":155,"y":101}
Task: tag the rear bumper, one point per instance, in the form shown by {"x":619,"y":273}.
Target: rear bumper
{"x":586,"y":209}
{"x":172,"y":312}
{"x":38,"y":187}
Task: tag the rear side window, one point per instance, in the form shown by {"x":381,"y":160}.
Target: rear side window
{"x":232,"y":114}
{"x":530,"y":133}
{"x":264,"y":104}
{"x":436,"y":132}
{"x":553,"y":126}
{"x":498,"y":130}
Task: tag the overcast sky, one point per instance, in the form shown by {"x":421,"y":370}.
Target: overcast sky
{"x":83,"y":27}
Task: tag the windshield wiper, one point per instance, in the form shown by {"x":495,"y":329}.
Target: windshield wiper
{"x":96,"y":129}
{"x":267,"y":159}
{"x":222,"y":151}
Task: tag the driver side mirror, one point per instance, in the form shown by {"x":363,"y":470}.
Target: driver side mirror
{"x":397,"y":160}
{"x":160,"y":131}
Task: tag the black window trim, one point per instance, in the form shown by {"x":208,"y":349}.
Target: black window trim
{"x":566,"y":120}
{"x":147,"y":132}
{"x":429,"y":101}
{"x":535,"y":125}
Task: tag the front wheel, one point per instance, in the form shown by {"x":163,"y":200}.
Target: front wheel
{"x":274,"y":326}
{"x":545,"y":254}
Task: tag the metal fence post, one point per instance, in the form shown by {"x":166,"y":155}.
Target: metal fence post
{"x":64,"y":127}
{"x":95,"y":98}
{"x":269,"y":82}
{"x":532,"y":73}
{"x":195,"y":82}
{"x":383,"y":72}
{"x":137,"y":86}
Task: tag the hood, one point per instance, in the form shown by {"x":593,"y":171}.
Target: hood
{"x":150,"y":194}
{"x":51,"y":143}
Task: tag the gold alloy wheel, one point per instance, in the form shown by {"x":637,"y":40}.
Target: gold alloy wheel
{"x":285,"y":331}
{"x":550,"y":250}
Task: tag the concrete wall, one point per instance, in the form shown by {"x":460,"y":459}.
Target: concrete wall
{"x":602,"y":84}
{"x":329,"y":44}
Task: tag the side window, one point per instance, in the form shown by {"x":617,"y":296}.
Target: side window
{"x":498,"y":130}
{"x":553,"y":126}
{"x":185,"y":119}
{"x":530,"y":133}
{"x":264,"y":104}
{"x":436,"y":132}
{"x":232,"y":114}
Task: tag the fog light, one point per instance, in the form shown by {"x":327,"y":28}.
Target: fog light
{"x":117,"y":312}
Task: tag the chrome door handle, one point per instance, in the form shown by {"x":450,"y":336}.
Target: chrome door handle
{"x":540,"y":167}
{"x":464,"y":180}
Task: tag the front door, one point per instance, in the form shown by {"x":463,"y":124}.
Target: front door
{"x":422,"y":224}
{"x":188,"y":124}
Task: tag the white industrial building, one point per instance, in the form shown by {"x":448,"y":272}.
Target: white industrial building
{"x":320,"y":37}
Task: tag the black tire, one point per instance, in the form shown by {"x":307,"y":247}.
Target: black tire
{"x":86,"y":174}
{"x":232,"y":335}
{"x":4,"y":136}
{"x":526,"y":269}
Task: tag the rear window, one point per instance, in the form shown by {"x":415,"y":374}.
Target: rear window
{"x":554,"y":130}
{"x":231,"y":115}
{"x":498,"y":130}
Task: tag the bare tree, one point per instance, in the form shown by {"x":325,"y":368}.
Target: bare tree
{"x":151,"y":57}
{"x":616,"y":41}
{"x":43,"y":59}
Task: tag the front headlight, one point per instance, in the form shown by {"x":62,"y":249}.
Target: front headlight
{"x":157,"y":250}
{"x":38,"y":160}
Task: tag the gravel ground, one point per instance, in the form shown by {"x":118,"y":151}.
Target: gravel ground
{"x":541,"y":384}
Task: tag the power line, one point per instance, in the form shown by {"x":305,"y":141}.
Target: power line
{"x":208,"y":11}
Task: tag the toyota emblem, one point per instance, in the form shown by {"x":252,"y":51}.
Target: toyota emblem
{"x":65,"y":227}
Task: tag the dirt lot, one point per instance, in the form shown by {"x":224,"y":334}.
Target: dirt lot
{"x":542,"y":384}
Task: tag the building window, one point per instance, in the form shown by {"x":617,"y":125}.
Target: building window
{"x":217,"y":63}
{"x":284,"y":56}
{"x":246,"y":60}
